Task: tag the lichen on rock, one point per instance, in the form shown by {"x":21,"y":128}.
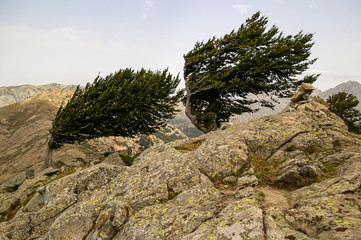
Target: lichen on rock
{"x":209,"y":187}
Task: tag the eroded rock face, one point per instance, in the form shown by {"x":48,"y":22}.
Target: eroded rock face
{"x":207,"y":187}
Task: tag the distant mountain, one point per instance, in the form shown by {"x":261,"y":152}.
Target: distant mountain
{"x":348,"y":87}
{"x":14,"y":94}
{"x":182,"y":122}
{"x":351,"y":87}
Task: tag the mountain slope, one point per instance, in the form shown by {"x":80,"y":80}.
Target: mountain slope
{"x":24,"y":130}
{"x":14,"y":94}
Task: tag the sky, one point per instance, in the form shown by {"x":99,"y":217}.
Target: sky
{"x":72,"y":41}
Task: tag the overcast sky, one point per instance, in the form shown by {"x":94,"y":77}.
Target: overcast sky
{"x":71,"y":41}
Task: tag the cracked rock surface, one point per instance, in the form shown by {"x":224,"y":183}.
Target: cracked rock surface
{"x":208,"y":187}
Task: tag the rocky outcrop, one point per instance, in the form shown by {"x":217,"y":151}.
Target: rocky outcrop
{"x":208,"y":187}
{"x":24,"y":129}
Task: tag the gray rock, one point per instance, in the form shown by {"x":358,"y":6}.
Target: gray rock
{"x":230,"y":180}
{"x":249,"y":180}
{"x":49,"y":171}
{"x":44,"y":195}
{"x":292,"y":176}
{"x":114,"y":159}
{"x":14,"y":183}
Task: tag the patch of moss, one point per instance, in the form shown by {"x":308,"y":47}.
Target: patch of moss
{"x":191,"y":146}
{"x":277,"y":163}
{"x":128,"y":158}
{"x":28,"y":199}
{"x":265,"y":171}
{"x":331,"y":169}
{"x":61,"y":175}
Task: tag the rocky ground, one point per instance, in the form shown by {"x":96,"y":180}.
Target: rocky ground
{"x":295,"y":175}
{"x":24,"y":129}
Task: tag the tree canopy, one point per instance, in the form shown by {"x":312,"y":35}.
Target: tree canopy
{"x":343,"y":105}
{"x":222,"y":73}
{"x":124,"y":103}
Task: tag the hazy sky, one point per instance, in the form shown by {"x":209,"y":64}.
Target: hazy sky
{"x":71,"y":41}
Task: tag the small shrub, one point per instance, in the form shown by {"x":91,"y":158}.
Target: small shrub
{"x":106,"y":154}
{"x":128,"y":158}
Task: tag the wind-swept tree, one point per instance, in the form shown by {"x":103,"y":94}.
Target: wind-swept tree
{"x":222,"y":73}
{"x":121,"y":104}
{"x":344,"y":105}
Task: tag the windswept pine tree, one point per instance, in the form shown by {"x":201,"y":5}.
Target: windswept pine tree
{"x":344,"y":105}
{"x":124,"y":103}
{"x":221,"y":73}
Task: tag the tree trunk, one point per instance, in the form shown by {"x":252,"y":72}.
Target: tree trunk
{"x":211,"y":126}
{"x":48,"y":158}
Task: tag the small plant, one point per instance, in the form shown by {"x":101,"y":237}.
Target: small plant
{"x":331,"y":169}
{"x":106,"y":154}
{"x":266,"y":172}
{"x":277,"y":163}
{"x":128,"y":158}
{"x":61,"y":175}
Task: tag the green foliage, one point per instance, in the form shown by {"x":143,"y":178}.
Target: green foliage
{"x":121,"y":104}
{"x":128,"y":158}
{"x":343,"y":105}
{"x":221,"y":73}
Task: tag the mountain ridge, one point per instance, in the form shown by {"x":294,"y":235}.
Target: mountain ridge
{"x":13,"y":94}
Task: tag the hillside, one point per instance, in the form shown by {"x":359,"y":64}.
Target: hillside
{"x":293,"y":175}
{"x":24,"y":129}
{"x":14,"y":94}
